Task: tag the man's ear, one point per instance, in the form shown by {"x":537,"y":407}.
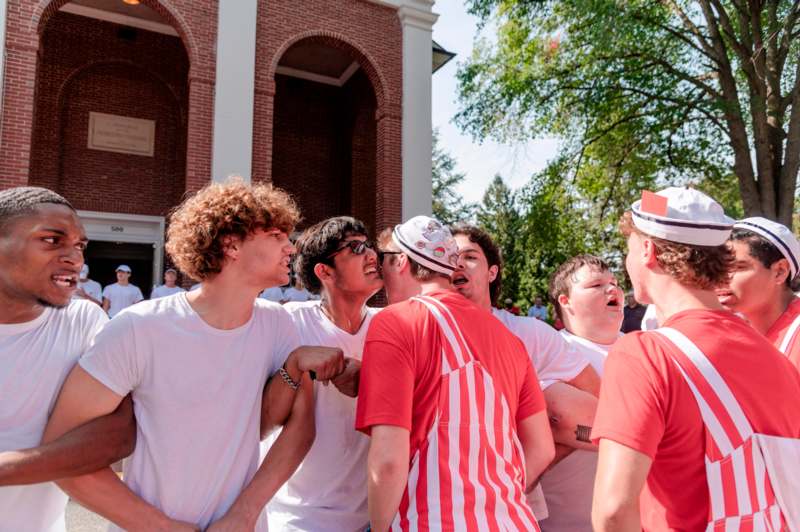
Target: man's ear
{"x":402,"y":262}
{"x":231,"y":245}
{"x":780,"y":271}
{"x":563,"y":301}
{"x":323,"y":272}
{"x":493,"y":272}
{"x":649,"y":255}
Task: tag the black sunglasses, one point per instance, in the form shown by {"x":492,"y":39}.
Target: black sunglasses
{"x":357,"y":247}
{"x":382,"y":254}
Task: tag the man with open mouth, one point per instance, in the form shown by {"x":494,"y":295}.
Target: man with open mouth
{"x":43,"y":332}
{"x":762,"y":282}
{"x":336,"y":260}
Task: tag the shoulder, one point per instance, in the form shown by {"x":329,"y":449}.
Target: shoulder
{"x":271,"y":313}
{"x":525,"y":327}
{"x":300,"y":307}
{"x":85,"y":312}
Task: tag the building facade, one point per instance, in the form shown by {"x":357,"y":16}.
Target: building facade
{"x":125,"y":106}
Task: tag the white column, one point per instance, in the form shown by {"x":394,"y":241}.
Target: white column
{"x":417,"y":21}
{"x":235,"y":84}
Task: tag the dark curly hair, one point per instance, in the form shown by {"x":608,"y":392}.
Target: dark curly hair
{"x":18,"y":201}
{"x":316,"y":244}
{"x":493,"y":255}
{"x":700,"y":267}
{"x":199,"y":225}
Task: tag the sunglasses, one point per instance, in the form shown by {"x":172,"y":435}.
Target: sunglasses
{"x":357,"y":247}
{"x":382,"y":254}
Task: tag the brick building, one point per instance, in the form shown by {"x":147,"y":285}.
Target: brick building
{"x":124,"y":106}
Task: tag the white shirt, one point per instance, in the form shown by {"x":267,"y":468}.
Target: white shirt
{"x":164,"y":290}
{"x":650,"y":318}
{"x":568,"y":486}
{"x":35,"y":358}
{"x":554,"y":360}
{"x":329,"y":490}
{"x":293,"y":294}
{"x":92,"y":288}
{"x":121,"y":297}
{"x":197,"y":400}
{"x":274,"y":293}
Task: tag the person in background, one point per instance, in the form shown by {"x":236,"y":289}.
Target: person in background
{"x":509,"y":306}
{"x":169,"y":287}
{"x":633,"y":314}
{"x":88,"y":289}
{"x":122,"y":294}
{"x":762,"y":282}
{"x":586,"y":296}
{"x":538,"y":310}
{"x":296,"y":292}
{"x":274,"y":294}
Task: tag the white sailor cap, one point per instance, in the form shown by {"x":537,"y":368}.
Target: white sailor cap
{"x":683,"y":215}
{"x":776,"y":234}
{"x":427,"y":242}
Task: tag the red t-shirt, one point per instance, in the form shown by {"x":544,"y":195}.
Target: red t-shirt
{"x":401,"y":366}
{"x":645,"y":404}
{"x":778,"y":330}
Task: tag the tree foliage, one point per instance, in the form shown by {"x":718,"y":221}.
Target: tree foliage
{"x":681,"y":91}
{"x":448,"y":205}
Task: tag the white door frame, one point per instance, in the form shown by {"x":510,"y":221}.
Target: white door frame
{"x":131,"y":228}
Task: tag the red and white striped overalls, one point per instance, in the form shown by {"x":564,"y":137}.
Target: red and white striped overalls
{"x":789,"y":336}
{"x":741,"y":493}
{"x":470,"y":472}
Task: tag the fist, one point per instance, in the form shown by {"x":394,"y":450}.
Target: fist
{"x":347,"y":381}
{"x":325,"y":362}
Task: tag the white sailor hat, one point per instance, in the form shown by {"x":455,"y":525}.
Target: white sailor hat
{"x":776,"y":234}
{"x":427,"y":242}
{"x":683,"y":215}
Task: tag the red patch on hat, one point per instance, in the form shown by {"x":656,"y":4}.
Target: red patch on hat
{"x":652,"y":203}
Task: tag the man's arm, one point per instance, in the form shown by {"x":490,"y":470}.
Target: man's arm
{"x":278,"y":397}
{"x":621,"y":474}
{"x":387,"y":473}
{"x":571,"y":414}
{"x":281,"y":462}
{"x":82,"y":399}
{"x":587,"y":380}
{"x":84,"y":449}
{"x":537,"y":445}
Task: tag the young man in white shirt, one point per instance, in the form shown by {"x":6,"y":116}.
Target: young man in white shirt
{"x":169,"y":287}
{"x":196,"y":364}
{"x":42,"y":335}
{"x":588,"y":299}
{"x":122,"y":294}
{"x":329,"y":490}
{"x":88,"y":289}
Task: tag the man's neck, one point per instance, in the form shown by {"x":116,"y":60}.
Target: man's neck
{"x":123,"y":283}
{"x":592,"y":334}
{"x":436,"y":283}
{"x":346,"y":311}
{"x":169,"y":285}
{"x":673,"y":297}
{"x":14,"y":311}
{"x":764,"y":317}
{"x":223,"y":301}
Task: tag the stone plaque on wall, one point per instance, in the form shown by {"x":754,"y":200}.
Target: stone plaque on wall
{"x":121,"y":134}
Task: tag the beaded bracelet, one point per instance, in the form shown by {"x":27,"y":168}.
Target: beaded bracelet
{"x":290,"y":382}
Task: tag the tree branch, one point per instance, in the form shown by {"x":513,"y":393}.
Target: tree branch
{"x":692,"y":27}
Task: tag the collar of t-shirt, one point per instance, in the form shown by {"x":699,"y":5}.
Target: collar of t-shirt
{"x":11,"y":329}
{"x":588,"y":343}
{"x":785,"y":319}
{"x":699,"y":313}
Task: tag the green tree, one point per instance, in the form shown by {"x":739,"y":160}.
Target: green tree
{"x":448,"y":205}
{"x":709,"y":89}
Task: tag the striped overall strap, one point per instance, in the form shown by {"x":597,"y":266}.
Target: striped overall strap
{"x":738,"y":484}
{"x":790,"y":334}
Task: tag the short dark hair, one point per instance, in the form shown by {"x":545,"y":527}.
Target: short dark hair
{"x":492,"y":252}
{"x":562,"y":279}
{"x":317,"y":243}
{"x":763,"y":251}
{"x":19,"y":201}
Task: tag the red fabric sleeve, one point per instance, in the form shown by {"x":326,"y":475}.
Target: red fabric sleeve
{"x":386,"y":386}
{"x":531,"y":398}
{"x":631,"y":410}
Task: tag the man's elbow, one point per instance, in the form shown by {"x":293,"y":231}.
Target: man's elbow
{"x":613,"y":513}
{"x":385,"y":469}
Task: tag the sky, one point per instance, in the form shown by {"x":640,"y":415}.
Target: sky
{"x":455,"y":31}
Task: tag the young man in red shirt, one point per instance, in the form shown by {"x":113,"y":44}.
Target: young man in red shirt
{"x":450,"y":399}
{"x":767,"y":259}
{"x":651,"y":473}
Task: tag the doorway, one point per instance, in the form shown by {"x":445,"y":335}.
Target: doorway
{"x":103,"y":259}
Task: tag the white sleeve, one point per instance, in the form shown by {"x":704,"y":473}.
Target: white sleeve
{"x":113,"y":359}
{"x":555,"y":359}
{"x":106,"y":291}
{"x":287,"y":339}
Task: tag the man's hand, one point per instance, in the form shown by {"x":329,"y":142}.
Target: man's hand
{"x":347,"y":381}
{"x":325,"y":362}
{"x":232,"y":522}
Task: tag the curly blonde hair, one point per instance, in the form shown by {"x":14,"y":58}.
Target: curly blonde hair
{"x":700,"y":267}
{"x":199,"y":225}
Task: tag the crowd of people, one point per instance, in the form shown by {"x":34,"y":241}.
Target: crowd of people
{"x":439,"y":411}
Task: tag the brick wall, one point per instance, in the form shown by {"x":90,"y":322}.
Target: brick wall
{"x":85,"y":65}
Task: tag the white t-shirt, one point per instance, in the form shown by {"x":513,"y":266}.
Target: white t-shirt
{"x":164,"y":290}
{"x":273,"y":293}
{"x":568,"y":486}
{"x":35,"y":358}
{"x":197,"y":399}
{"x":329,"y":490}
{"x":121,"y":297}
{"x":293,"y":294}
{"x":650,"y":318}
{"x":554,"y":360}
{"x":92,"y":288}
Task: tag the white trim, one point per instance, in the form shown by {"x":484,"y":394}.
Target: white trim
{"x":787,"y":338}
{"x":119,"y":18}
{"x":319,"y":78}
{"x":141,"y":229}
